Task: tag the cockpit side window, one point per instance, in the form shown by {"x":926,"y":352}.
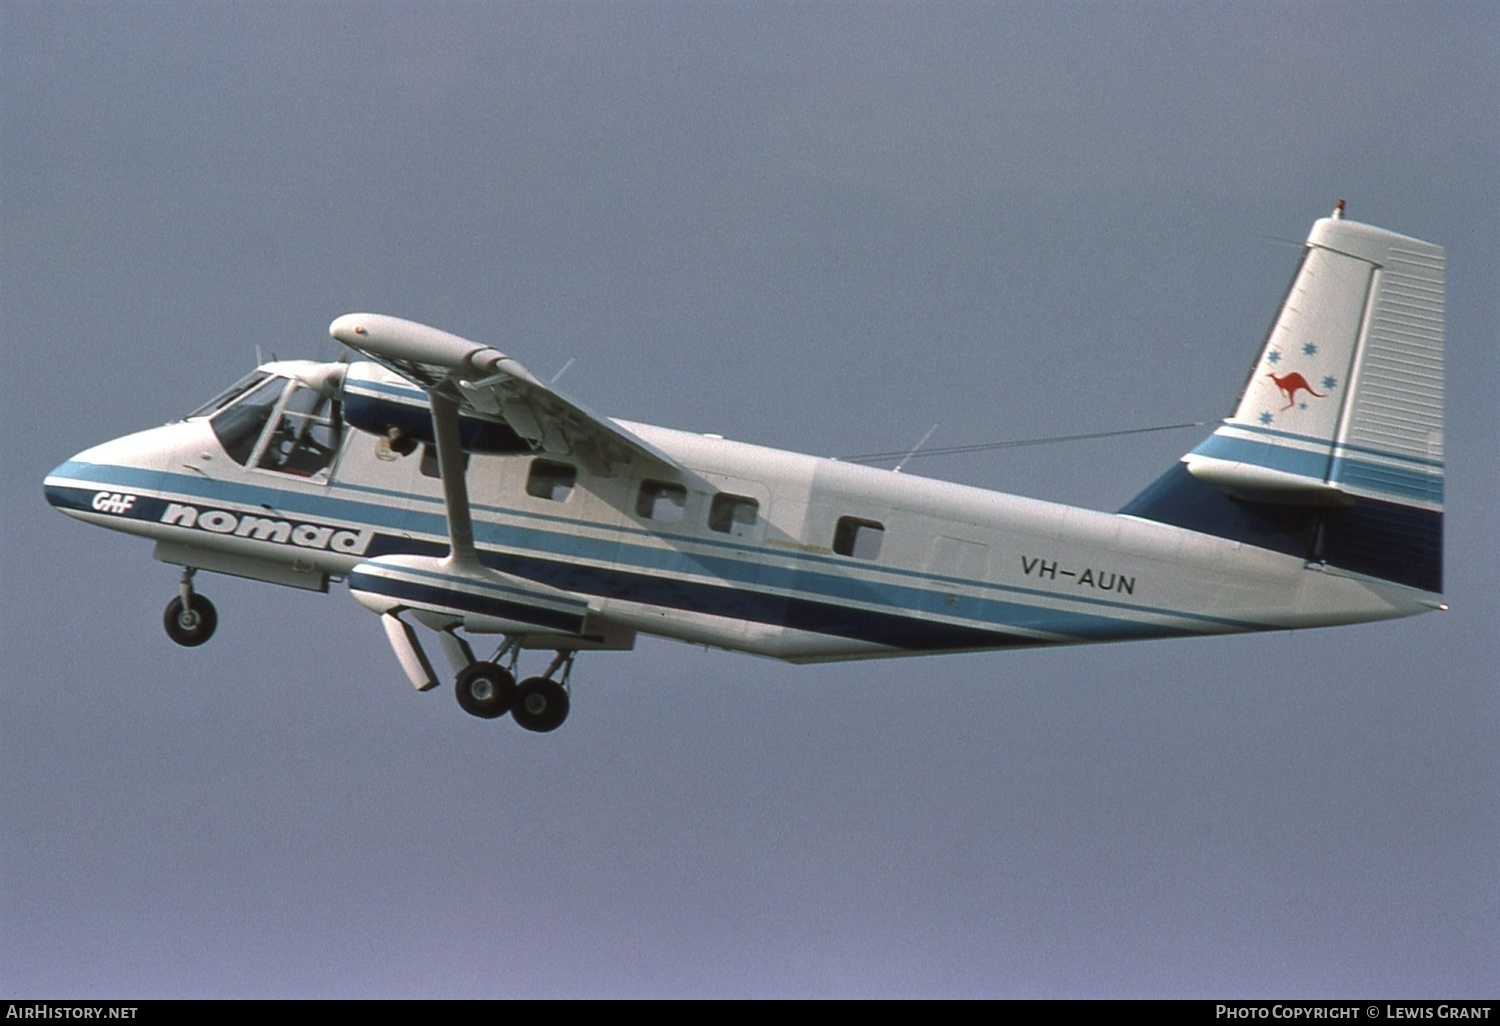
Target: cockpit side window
{"x":305,"y":438}
{"x":276,"y":424}
{"x":241,"y":417}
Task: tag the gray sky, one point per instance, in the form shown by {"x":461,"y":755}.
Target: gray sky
{"x":818,"y":226}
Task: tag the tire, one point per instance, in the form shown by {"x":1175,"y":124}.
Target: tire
{"x":485,"y":690}
{"x":541,"y":705}
{"x":193,"y":625}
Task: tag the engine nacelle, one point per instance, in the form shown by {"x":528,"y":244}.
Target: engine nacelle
{"x":375,"y":400}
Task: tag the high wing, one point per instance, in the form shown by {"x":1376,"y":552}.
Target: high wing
{"x":464,"y":377}
{"x":486,"y":383}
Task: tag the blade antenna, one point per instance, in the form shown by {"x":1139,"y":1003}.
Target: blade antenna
{"x":558,"y":376}
{"x":921,"y":442}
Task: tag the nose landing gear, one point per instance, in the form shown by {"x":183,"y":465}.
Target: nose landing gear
{"x":190,"y":619}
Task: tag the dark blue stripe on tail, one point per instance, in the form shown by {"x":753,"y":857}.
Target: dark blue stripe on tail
{"x":1383,"y":539}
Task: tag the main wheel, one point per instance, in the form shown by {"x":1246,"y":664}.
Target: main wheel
{"x":190,"y":625}
{"x":541,"y":705}
{"x":485,"y":690}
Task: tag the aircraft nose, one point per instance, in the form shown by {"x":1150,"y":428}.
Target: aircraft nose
{"x":65,"y":487}
{"x":103,"y":478}
{"x":51,"y":484}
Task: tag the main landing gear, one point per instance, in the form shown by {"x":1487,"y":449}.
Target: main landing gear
{"x":190,"y":619}
{"x":489,"y":690}
{"x":485,"y":690}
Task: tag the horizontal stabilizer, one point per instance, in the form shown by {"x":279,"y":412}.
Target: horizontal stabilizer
{"x":1258,"y":483}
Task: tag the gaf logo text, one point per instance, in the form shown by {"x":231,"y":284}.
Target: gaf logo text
{"x":113,"y":502}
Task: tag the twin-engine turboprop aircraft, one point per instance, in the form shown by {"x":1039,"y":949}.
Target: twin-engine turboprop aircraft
{"x":453,"y":490}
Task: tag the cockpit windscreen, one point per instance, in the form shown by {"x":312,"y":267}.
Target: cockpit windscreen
{"x":229,"y":395}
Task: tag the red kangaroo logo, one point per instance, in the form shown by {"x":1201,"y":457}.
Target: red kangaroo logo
{"x":1291,"y":384}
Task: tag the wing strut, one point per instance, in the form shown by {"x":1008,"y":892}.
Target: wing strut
{"x":450,"y":455}
{"x":457,"y":589}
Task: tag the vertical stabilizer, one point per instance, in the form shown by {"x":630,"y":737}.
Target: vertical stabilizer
{"x":1335,"y":449}
{"x":1346,"y":398}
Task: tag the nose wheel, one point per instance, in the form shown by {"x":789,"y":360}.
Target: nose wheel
{"x":190,"y":623}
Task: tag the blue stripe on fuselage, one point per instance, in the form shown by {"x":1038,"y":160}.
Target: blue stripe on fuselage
{"x":744,"y":586}
{"x":442,"y":595}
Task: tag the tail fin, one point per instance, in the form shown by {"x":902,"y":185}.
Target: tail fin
{"x":1335,"y":450}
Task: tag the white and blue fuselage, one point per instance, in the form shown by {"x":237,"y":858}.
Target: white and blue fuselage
{"x":446,"y":483}
{"x":954,"y":568}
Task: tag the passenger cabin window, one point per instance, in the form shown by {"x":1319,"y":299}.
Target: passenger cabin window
{"x":858,"y":538}
{"x":551,"y":480}
{"x":661,"y":500}
{"x":733,"y":514}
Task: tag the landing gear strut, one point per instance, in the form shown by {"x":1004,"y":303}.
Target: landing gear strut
{"x":190,"y":619}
